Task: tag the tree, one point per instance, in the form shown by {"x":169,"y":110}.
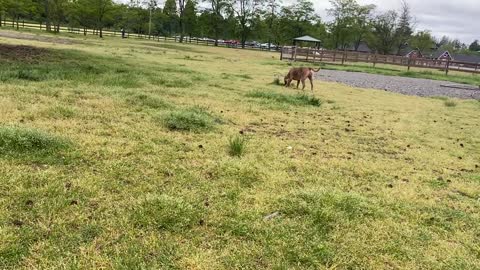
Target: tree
{"x":404,"y":29}
{"x":216,"y":18}
{"x":170,"y":11}
{"x":190,"y":17}
{"x":271,"y":16}
{"x":245,"y":11}
{"x":383,"y":37}
{"x":423,"y":41}
{"x":95,"y":13}
{"x":475,"y":47}
{"x":351,"y":22}
{"x":181,"y":7}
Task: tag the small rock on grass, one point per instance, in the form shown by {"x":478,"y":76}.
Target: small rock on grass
{"x":272,"y":216}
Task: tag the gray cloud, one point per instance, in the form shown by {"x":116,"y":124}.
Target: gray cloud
{"x":454,"y":18}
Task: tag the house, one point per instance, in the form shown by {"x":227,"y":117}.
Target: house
{"x":446,"y":55}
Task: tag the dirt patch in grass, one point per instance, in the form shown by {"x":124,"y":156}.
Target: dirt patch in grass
{"x":21,"y":53}
{"x":24,"y":36}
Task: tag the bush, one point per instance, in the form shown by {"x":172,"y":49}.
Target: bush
{"x":236,"y":146}
{"x":193,"y":119}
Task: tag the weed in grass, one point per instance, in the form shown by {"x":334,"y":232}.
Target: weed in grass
{"x":193,"y":119}
{"x":236,"y":146}
{"x":297,"y":100}
{"x":30,"y":144}
{"x":450,"y":103}
{"x":149,"y":101}
{"x":59,"y":112}
{"x":165,"y":213}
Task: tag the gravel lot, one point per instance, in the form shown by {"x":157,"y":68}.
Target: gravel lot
{"x":403,"y":85}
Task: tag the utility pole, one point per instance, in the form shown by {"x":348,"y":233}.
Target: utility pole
{"x":150,"y":23}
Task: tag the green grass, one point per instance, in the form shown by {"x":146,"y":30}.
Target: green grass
{"x":296,"y":100}
{"x":450,"y":103}
{"x":121,"y":154}
{"x":236,"y":146}
{"x":192,"y":119}
{"x":457,"y":77}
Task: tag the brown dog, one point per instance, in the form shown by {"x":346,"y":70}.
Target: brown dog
{"x":300,"y":75}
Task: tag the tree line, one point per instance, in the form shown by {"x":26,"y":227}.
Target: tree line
{"x":350,"y":26}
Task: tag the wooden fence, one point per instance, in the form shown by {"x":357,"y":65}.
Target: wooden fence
{"x":118,"y":33}
{"x":319,"y":55}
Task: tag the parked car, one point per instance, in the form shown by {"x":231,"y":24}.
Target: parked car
{"x":267,"y":45}
{"x":253,"y":44}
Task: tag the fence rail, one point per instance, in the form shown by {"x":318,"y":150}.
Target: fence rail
{"x":329,"y":56}
{"x":118,"y":33}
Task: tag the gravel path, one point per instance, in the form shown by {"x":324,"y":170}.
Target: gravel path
{"x":403,"y":85}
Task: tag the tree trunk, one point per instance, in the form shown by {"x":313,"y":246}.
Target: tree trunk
{"x":47,"y":16}
{"x":101,"y":32}
{"x":18,"y":19}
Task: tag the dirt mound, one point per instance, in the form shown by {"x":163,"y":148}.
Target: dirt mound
{"x":21,"y":53}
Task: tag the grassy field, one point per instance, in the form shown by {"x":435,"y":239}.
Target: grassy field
{"x":130,"y":154}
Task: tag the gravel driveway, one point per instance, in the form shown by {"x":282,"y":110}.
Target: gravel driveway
{"x":403,"y":85}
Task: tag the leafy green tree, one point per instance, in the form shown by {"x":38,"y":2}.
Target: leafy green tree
{"x":216,"y":16}
{"x":190,"y":18}
{"x":475,"y":47}
{"x":170,"y":11}
{"x":245,"y":11}
{"x":383,"y":38}
{"x":423,"y":41}
{"x":95,"y":13}
{"x":404,"y":29}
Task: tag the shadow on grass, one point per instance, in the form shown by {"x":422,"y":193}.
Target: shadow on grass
{"x":296,"y":100}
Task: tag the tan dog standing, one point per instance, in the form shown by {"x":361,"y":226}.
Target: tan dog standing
{"x":300,"y":75}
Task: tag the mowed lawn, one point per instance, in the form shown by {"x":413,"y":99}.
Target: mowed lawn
{"x":115,"y":154}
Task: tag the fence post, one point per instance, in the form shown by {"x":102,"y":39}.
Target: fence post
{"x":308,"y":52}
{"x":295,"y":57}
{"x":344,"y":55}
{"x":314,"y":55}
{"x":334,"y":55}
{"x":375,"y":60}
{"x":281,"y":54}
{"x":447,"y":66}
{"x":321,"y":55}
{"x":409,"y":62}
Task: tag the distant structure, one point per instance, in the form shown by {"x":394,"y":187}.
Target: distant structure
{"x":307,"y":39}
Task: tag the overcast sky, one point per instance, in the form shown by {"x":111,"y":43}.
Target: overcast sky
{"x":454,"y":18}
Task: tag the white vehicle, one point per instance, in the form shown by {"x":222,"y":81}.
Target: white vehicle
{"x":266,"y":46}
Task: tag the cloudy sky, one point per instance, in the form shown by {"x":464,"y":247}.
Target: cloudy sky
{"x":454,"y":18}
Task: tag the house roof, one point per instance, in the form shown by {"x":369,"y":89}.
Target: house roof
{"x":466,"y":58}
{"x":307,"y":39}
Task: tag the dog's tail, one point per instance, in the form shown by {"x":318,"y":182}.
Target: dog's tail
{"x":315,"y":70}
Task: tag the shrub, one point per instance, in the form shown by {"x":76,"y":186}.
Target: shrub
{"x":236,"y":146}
{"x":193,"y":119}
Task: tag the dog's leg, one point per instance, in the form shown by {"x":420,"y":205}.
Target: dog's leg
{"x":311,"y":83}
{"x":298,"y":83}
{"x":303,"y":84}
